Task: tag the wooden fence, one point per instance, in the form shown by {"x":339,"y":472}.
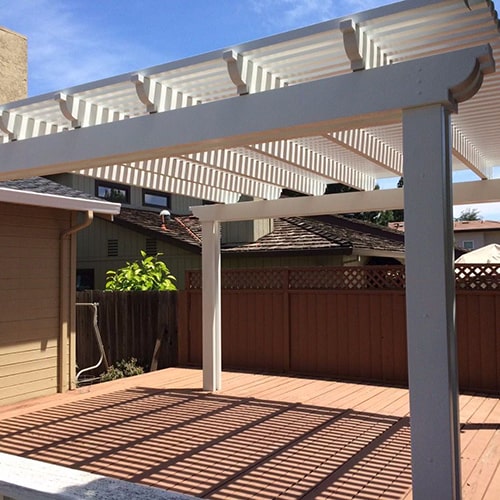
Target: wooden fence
{"x":131,"y":324}
{"x":345,"y":322}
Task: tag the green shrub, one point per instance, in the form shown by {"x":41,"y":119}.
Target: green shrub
{"x":150,"y":273}
{"x":121,"y":369}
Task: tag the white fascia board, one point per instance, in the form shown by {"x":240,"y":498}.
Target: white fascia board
{"x":55,"y":201}
{"x":308,"y":109}
{"x":382,"y":199}
{"x":370,"y":252}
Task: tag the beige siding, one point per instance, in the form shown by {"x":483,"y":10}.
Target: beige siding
{"x":93,"y":252}
{"x":492,"y":237}
{"x":235,"y":262}
{"x":245,"y":231}
{"x":480,"y":238}
{"x":29,"y":300}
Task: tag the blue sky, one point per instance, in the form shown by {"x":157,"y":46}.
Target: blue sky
{"x":71,"y":42}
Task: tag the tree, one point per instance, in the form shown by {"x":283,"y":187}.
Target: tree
{"x":469,"y":214}
{"x":382,"y":218}
{"x":150,"y":273}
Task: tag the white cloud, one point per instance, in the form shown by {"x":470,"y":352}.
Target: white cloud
{"x":286,"y":14}
{"x":66,"y":46}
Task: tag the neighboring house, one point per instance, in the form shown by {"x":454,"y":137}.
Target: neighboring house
{"x":38,"y":223}
{"x":469,"y":235}
{"x":476,"y":234}
{"x":296,"y":241}
{"x":292,"y":242}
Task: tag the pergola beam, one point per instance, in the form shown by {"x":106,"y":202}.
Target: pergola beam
{"x":298,"y":111}
{"x":382,"y":199}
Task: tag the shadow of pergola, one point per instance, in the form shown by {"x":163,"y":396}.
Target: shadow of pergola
{"x":216,"y":446}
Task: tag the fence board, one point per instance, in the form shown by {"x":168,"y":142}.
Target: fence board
{"x":130,"y":323}
{"x":344,"y":323}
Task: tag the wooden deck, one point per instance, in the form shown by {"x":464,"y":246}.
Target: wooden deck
{"x":262,"y":437}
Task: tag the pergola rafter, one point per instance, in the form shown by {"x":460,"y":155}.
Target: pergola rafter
{"x":258,"y":168}
{"x":302,"y":157}
{"x":370,"y":148}
{"x":160,"y":179}
{"x":470,"y":155}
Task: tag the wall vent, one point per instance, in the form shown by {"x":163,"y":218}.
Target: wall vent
{"x":112,"y":248}
{"x":151,"y":246}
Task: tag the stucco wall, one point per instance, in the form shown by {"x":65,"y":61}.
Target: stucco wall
{"x":13,"y":66}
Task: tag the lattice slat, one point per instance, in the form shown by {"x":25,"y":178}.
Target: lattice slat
{"x":476,"y":277}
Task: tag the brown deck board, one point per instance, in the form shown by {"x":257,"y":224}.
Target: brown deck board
{"x":261,"y":437}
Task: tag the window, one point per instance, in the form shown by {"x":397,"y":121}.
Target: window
{"x":468,"y":245}
{"x":84,"y":279}
{"x":117,"y":193}
{"x":112,"y":248}
{"x":155,"y":199}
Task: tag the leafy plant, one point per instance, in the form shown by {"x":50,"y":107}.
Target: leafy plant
{"x":150,"y":273}
{"x":123,"y":368}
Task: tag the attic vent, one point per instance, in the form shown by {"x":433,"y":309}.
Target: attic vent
{"x":151,"y":246}
{"x":112,"y":248}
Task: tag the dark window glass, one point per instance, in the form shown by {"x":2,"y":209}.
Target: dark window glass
{"x":113,"y":192}
{"x":84,"y":279}
{"x":155,"y":199}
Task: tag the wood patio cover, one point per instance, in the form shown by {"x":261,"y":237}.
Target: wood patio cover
{"x":407,"y":89}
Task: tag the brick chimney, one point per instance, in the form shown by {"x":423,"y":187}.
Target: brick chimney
{"x":13,"y":66}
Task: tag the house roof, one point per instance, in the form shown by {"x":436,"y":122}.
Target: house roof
{"x":477,"y":225}
{"x":472,"y":225}
{"x":43,"y":192}
{"x":290,"y":235}
{"x":204,"y":167}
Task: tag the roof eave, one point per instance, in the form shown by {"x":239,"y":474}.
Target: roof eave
{"x":56,"y":201}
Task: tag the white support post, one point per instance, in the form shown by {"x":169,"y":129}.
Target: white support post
{"x":211,"y":290}
{"x":430,"y":301}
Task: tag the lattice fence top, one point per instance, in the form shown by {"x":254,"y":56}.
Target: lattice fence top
{"x":468,"y":277}
{"x":477,"y":276}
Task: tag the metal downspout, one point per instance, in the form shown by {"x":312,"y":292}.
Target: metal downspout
{"x":64,"y":379}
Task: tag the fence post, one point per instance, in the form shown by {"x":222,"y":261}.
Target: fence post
{"x":287,"y":333}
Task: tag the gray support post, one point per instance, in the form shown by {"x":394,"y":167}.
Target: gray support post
{"x":430,"y":302}
{"x":211,"y":295}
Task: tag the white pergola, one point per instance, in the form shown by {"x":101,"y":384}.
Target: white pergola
{"x":407,"y":89}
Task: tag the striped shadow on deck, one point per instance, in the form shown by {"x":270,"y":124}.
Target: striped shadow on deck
{"x":219,"y":446}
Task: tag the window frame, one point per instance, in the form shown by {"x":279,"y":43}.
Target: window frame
{"x":116,"y":186}
{"x":161,"y":194}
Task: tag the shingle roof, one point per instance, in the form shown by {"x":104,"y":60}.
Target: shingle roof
{"x":477,"y":225}
{"x":41,"y":192}
{"x":45,"y":186}
{"x":468,"y":225}
{"x":290,"y":235}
